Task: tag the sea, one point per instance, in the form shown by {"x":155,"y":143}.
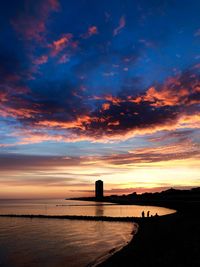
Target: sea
{"x":38,"y":242}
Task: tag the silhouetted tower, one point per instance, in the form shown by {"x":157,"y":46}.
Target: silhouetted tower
{"x":99,"y":189}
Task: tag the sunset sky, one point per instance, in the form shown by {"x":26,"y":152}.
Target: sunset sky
{"x":104,"y":89}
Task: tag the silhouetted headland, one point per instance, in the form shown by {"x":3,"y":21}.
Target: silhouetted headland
{"x":171,"y":198}
{"x":172,"y":240}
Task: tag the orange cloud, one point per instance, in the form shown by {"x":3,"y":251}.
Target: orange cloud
{"x":165,"y":97}
{"x":172,"y":93}
{"x":17,"y":112}
{"x":165,"y":107}
{"x":114,"y":123}
{"x":92,"y":30}
{"x":105,"y":106}
{"x":113,"y":99}
{"x":78,"y":123}
{"x":58,"y":45}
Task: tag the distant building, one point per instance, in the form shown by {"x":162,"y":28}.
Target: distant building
{"x":99,"y":189}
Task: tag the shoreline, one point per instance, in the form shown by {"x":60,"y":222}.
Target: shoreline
{"x":169,"y":240}
{"x":113,"y":260}
{"x":114,"y":250}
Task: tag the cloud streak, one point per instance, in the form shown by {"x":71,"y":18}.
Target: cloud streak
{"x":122,"y":24}
{"x":178,"y":149}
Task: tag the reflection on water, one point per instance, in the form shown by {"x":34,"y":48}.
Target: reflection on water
{"x":99,"y":210}
{"x":54,"y":243}
{"x":68,"y":207}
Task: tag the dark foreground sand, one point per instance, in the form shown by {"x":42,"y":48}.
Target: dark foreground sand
{"x":171,"y":240}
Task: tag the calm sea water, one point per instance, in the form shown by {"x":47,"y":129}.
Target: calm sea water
{"x":71,"y":207}
{"x":40,"y":242}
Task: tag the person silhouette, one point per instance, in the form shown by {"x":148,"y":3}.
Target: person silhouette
{"x":148,"y":213}
{"x":143,"y":215}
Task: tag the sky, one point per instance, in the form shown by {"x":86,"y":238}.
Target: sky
{"x":98,"y":90}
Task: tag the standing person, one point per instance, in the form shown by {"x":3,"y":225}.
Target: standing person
{"x":143,"y":215}
{"x":148,"y":212}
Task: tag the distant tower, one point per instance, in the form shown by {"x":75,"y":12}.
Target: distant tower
{"x":99,"y":189}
